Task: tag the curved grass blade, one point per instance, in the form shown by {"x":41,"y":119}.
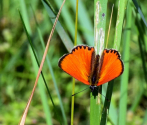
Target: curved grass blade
{"x":67,"y":17}
{"x":141,"y":41}
{"x":46,"y":108}
{"x":40,"y":68}
{"x":66,"y":40}
{"x":42,"y":92}
{"x":139,"y":11}
{"x":53,"y":77}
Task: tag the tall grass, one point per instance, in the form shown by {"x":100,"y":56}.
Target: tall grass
{"x":100,"y":9}
{"x":125,"y":75}
{"x":18,"y":66}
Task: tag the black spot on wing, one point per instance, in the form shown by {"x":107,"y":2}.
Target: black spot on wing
{"x":117,"y":53}
{"x":113,"y":51}
{"x":89,"y":48}
{"x":85,"y":47}
{"x":80,"y":47}
{"x":107,"y":51}
{"x":76,"y":48}
{"x":73,"y":50}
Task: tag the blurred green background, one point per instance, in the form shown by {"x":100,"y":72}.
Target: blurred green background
{"x":18,"y":67}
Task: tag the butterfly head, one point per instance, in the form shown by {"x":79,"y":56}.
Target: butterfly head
{"x":94,"y":90}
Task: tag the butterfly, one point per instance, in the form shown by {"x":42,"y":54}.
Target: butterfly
{"x":84,"y":65}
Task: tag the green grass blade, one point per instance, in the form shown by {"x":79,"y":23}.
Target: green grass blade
{"x":54,"y":80}
{"x":53,"y":77}
{"x":107,"y":103}
{"x":141,"y":42}
{"x":100,"y":10}
{"x":68,"y":21}
{"x":117,"y":39}
{"x":85,"y":25}
{"x":25,"y":16}
{"x":49,"y":121}
{"x":99,"y":36}
{"x":139,"y":11}
{"x":119,"y":23}
{"x":143,"y":56}
{"x":1,"y":8}
{"x":66,"y":40}
{"x":95,"y":109}
{"x":125,"y":75}
{"x":42,"y":90}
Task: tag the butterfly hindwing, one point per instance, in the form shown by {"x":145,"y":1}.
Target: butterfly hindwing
{"x":78,"y":63}
{"x":110,"y":66}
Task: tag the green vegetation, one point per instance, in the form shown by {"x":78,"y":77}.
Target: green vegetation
{"x":51,"y":103}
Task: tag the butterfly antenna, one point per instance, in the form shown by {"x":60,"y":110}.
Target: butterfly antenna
{"x":109,"y":25}
{"x":80,"y":91}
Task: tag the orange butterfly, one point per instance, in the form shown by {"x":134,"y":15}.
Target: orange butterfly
{"x":91,"y":69}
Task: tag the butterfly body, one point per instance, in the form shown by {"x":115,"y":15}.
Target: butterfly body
{"x":91,"y":69}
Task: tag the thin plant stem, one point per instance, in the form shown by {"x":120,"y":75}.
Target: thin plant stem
{"x":73,"y":82}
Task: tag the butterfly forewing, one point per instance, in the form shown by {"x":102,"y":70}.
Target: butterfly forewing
{"x":110,"y":66}
{"x":78,"y":63}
